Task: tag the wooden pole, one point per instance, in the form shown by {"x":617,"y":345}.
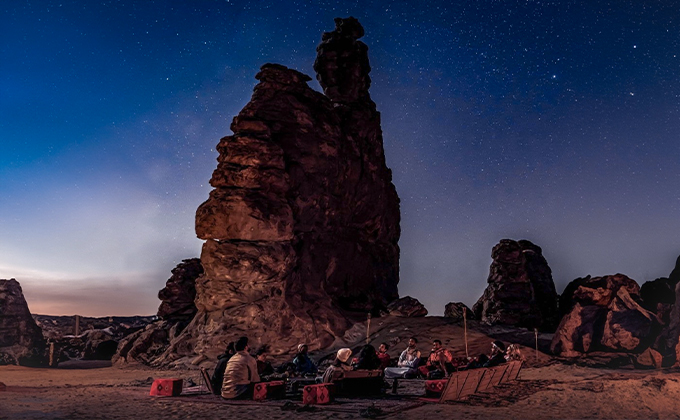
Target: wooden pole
{"x":465,"y":331}
{"x":536,"y":336}
{"x":368,"y":327}
{"x":77,"y":325}
{"x":52,"y":361}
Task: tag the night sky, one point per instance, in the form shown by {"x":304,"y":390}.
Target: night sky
{"x":556,"y":122}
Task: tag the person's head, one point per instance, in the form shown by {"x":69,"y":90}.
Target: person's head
{"x":383,"y":348}
{"x":241,"y":344}
{"x":412,"y":342}
{"x":302,"y":348}
{"x":367,"y":350}
{"x":343,"y":355}
{"x":261,"y":354}
{"x":230,"y":348}
{"x":497,"y":346}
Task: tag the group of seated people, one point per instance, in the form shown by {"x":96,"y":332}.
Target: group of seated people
{"x":237,"y":370}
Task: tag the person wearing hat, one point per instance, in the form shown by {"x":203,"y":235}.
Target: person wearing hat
{"x":241,"y":373}
{"x":303,"y":364}
{"x":339,"y":365}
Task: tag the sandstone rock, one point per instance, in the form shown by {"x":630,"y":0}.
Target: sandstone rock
{"x":177,"y":309}
{"x":596,"y":291}
{"x":407,"y":307}
{"x":605,"y":316}
{"x":521,"y":290}
{"x":302,"y":226}
{"x":578,"y":330}
{"x":649,"y":359}
{"x":21,"y":340}
{"x":455,"y":310}
{"x":180,"y":290}
{"x":144,"y":346}
{"x":658,"y":296}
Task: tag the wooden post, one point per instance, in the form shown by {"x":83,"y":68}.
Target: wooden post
{"x":77,"y":325}
{"x":536,"y":335}
{"x":52,"y":361}
{"x":368,"y":328}
{"x":465,"y":331}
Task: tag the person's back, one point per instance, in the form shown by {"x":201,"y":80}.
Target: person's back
{"x":368,"y":358}
{"x":240,"y":373}
{"x":303,"y":364}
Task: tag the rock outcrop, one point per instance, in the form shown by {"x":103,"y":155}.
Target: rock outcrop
{"x":408,"y":307}
{"x":455,"y":310}
{"x":177,"y":309}
{"x":21,"y":340}
{"x":302,"y":225}
{"x":605,"y":315}
{"x":177,"y":297}
{"x":521,"y":291}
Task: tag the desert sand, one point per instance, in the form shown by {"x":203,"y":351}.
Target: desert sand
{"x":551,"y":391}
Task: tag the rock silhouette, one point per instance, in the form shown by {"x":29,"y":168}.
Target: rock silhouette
{"x":21,"y":340}
{"x":521,"y":291}
{"x":302,"y":225}
{"x":455,"y":310}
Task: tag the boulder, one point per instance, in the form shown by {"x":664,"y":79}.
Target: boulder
{"x":301,"y":229}
{"x":407,"y":307}
{"x":521,"y":291}
{"x":21,"y":340}
{"x":605,"y":316}
{"x":648,"y":359}
{"x":455,"y":310}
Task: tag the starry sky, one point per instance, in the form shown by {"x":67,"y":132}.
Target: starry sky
{"x":552,"y":121}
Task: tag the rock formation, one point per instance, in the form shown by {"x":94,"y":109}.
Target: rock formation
{"x":521,"y":290}
{"x":177,"y":297}
{"x":407,"y":307}
{"x":302,"y":226}
{"x":455,"y":310}
{"x":605,"y":315}
{"x":177,"y":309}
{"x":21,"y":340}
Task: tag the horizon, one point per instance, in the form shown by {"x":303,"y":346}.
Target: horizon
{"x":555,"y":123}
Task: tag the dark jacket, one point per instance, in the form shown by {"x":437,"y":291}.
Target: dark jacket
{"x":218,"y":374}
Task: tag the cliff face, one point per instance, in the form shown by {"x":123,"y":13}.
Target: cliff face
{"x":302,"y":226}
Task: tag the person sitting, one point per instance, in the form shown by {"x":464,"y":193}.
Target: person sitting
{"x":264,"y":368}
{"x":407,"y":364}
{"x":497,"y":357}
{"x":497,"y":354}
{"x":383,"y":356}
{"x":218,"y":375}
{"x":368,"y":358}
{"x":241,"y":373}
{"x":513,"y":353}
{"x":339,"y":365}
{"x":303,"y":364}
{"x":438,"y":364}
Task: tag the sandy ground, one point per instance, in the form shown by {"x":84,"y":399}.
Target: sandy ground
{"x":555,"y":390}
